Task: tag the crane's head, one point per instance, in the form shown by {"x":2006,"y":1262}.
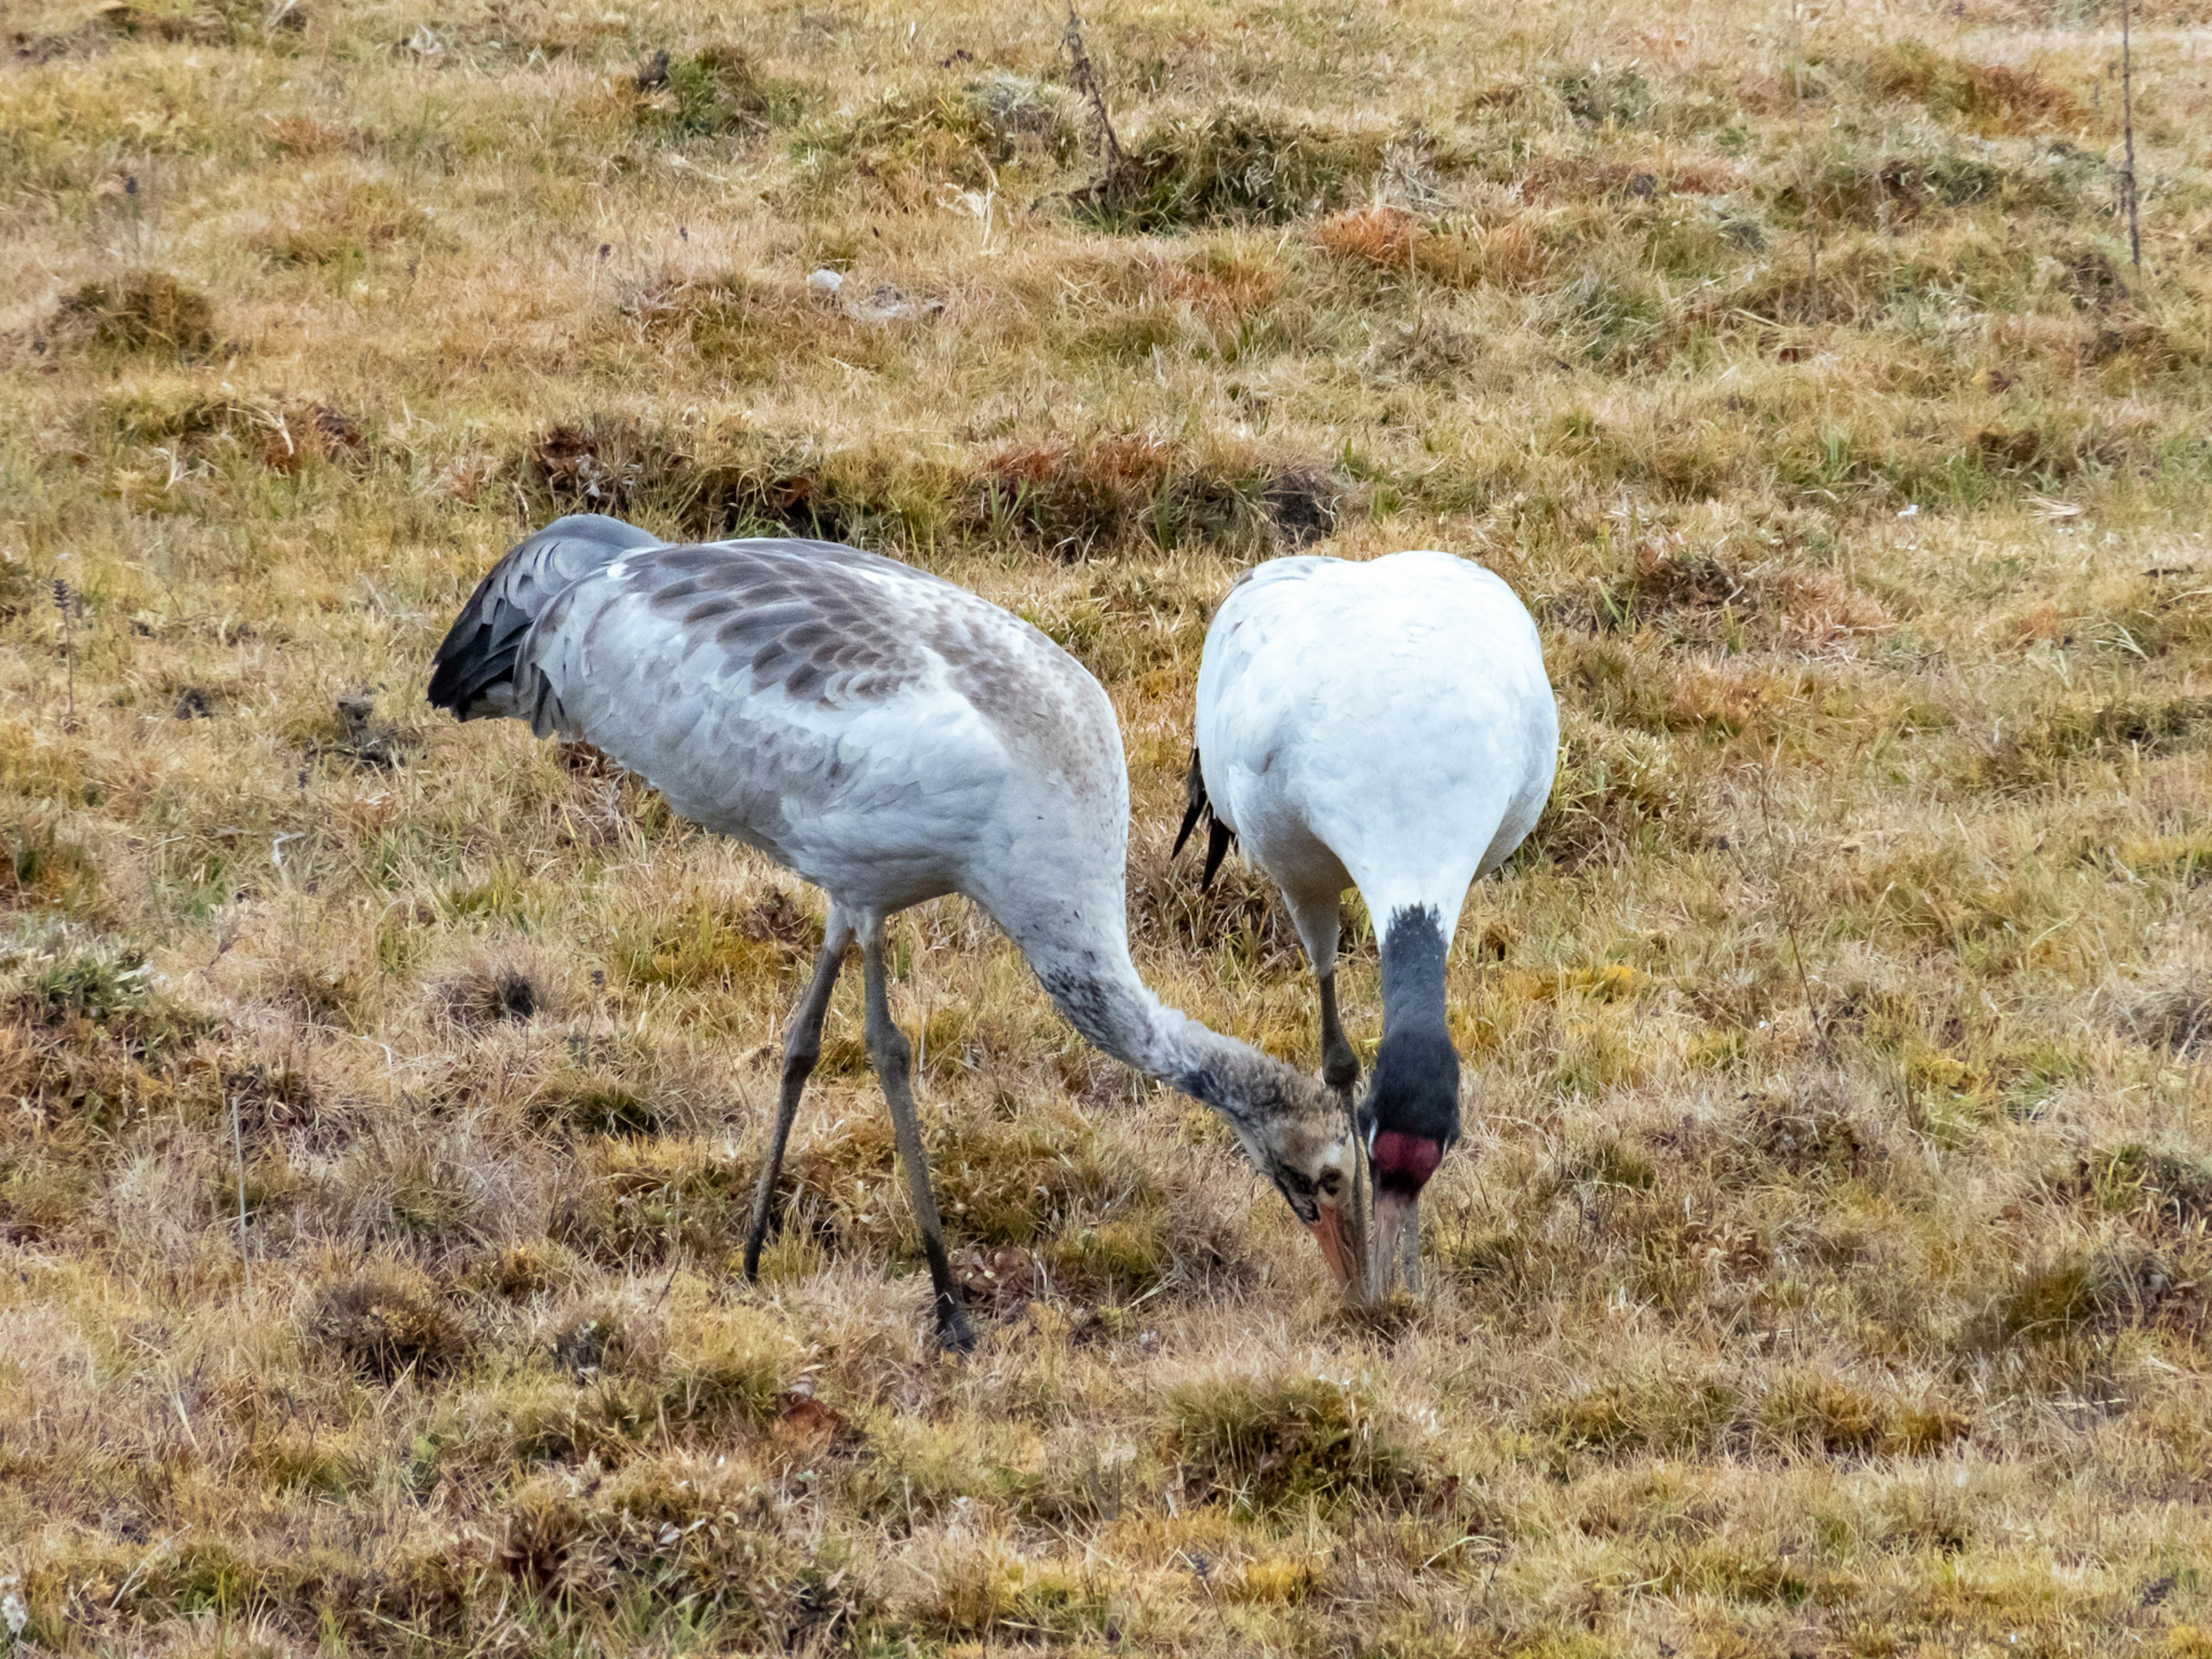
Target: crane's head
{"x":1304,"y":1141}
{"x":1409,"y":1122}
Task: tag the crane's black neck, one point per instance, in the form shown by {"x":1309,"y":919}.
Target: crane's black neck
{"x":1412,"y":1112}
{"x":1414,"y":952}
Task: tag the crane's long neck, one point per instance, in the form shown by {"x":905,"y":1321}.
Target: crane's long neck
{"x":1415,"y":949}
{"x":1094,"y":982}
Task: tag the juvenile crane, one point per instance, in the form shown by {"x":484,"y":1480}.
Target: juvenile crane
{"x":892,"y":738}
{"x":1387,"y":726}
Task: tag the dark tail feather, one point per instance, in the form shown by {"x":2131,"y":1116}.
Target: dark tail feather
{"x":1219,"y":835}
{"x":1198,"y":805}
{"x":473,"y":673}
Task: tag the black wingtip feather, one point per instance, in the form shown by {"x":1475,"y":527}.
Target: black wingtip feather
{"x":1219,"y":835}
{"x":1198,"y":804}
{"x":479,"y":653}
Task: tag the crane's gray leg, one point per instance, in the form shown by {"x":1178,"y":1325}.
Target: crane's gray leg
{"x":1318,"y":918}
{"x":1340,"y":1067}
{"x":891,"y":1055}
{"x":802,"y":1047}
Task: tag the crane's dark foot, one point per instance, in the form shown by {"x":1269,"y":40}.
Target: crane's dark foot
{"x":953,"y":1331}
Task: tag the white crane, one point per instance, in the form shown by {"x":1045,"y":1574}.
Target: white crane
{"x":892,"y":738}
{"x":1387,"y":726}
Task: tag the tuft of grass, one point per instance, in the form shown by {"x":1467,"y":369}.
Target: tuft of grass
{"x":1991,"y":99}
{"x":718,"y":90}
{"x":1266,"y":1438}
{"x":143,"y":313}
{"x":387,"y":1322}
{"x":1237,"y":163}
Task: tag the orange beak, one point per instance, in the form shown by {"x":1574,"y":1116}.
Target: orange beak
{"x":1339,"y":1232}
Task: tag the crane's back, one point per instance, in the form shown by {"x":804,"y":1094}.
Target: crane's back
{"x":1397,"y":705}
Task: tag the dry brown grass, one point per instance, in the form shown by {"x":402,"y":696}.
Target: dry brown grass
{"x":1825,"y":1269}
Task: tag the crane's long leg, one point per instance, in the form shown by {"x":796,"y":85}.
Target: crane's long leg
{"x":891,"y":1055}
{"x":1317,"y":914}
{"x":802,"y":1047}
{"x":1339,"y":1066}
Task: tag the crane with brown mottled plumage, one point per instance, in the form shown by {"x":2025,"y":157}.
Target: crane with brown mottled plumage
{"x":893,"y":739}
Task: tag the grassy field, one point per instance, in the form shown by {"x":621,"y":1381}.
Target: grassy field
{"x":1827,"y":1269}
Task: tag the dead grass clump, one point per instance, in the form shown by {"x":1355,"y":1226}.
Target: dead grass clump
{"x":915,"y":148}
{"x":668,"y":1530}
{"x":284,"y":434}
{"x":716,"y":91}
{"x":2163,"y":1194}
{"x":1991,"y":99}
{"x":41,"y":870}
{"x":743,"y":325}
{"x":2177,"y":1019}
{"x":73,"y":982}
{"x":520,"y":1269}
{"x":1237,"y":163}
{"x":271,"y":1101}
{"x":1815,"y":1132}
{"x":2058,"y":1314}
{"x":387,"y":1321}
{"x":308,"y":432}
{"x":1665,"y":1414}
{"x":639,"y":1200}
{"x":343,"y":226}
{"x":1708,"y":593}
{"x":756,"y":485}
{"x":1822,"y":1412}
{"x":354,"y":734}
{"x":592,"y":469}
{"x":596,"y":1104}
{"x":1598,"y":96}
{"x":1510,"y":254}
{"x":1393,"y":240}
{"x":1264,"y":1439}
{"x":143,"y":313}
{"x":2043,"y":749}
{"x":484,"y":993}
{"x":1614,"y":790}
{"x":969,"y":1590}
{"x":299,"y":134}
{"x":695,"y":947}
{"x":1072,"y":499}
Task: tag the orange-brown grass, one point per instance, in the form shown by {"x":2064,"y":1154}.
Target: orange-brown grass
{"x":1825,"y":1268}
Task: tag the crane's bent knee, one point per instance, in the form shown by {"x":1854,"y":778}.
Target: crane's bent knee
{"x":890,"y":1050}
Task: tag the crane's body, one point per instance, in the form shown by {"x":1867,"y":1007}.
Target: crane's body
{"x":892,"y":738}
{"x":1386,"y":725}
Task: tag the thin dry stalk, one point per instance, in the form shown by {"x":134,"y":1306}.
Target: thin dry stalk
{"x":238,"y":1151}
{"x":1805,"y":170}
{"x":1086,"y":82}
{"x":64,"y":601}
{"x":2128,"y":130}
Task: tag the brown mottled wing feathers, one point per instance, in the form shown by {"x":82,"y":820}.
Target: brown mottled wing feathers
{"x":794,"y":613}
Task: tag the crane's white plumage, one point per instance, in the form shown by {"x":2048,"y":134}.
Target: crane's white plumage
{"x":1387,"y":726}
{"x":892,"y":738}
